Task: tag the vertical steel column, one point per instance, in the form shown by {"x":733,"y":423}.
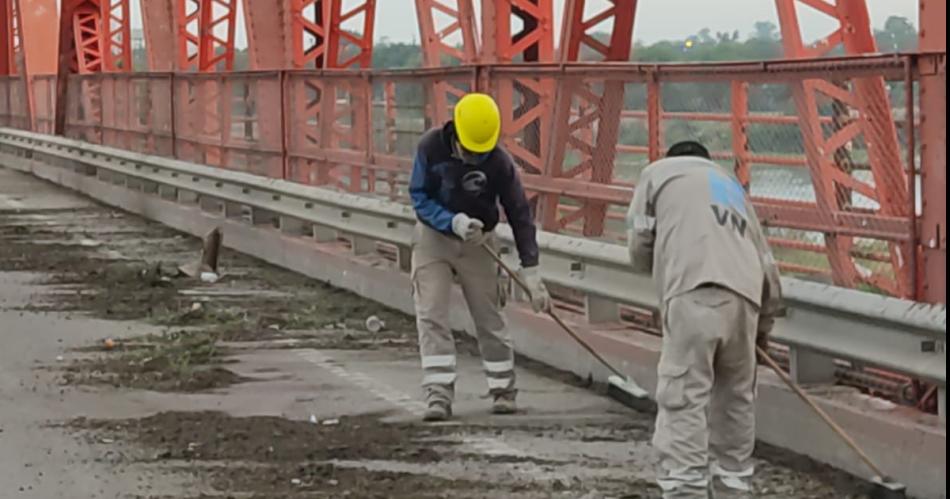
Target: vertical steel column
{"x":933,"y":153}
{"x":268,"y":24}
{"x":438,"y":48}
{"x":591,"y":129}
{"x":874,"y":124}
{"x":13,"y":62}
{"x":527,"y":120}
{"x":158,"y":23}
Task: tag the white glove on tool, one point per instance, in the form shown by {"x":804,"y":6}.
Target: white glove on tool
{"x":540,"y":298}
{"x":467,"y":228}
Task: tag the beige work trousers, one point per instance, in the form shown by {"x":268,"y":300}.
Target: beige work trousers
{"x":437,"y":261}
{"x":705,"y":423}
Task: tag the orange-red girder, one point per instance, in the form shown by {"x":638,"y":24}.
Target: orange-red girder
{"x":449,"y":36}
{"x":932,"y":268}
{"x":589,"y":130}
{"x":831,"y":177}
{"x":525,"y":102}
{"x":205,"y":30}
{"x":13,"y":57}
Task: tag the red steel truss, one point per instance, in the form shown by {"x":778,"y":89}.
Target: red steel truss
{"x":449,"y":37}
{"x":525,"y":102}
{"x":13,"y":61}
{"x":829,"y":160}
{"x":589,"y":129}
{"x":564,"y":128}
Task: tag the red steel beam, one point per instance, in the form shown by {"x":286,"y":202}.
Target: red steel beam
{"x":526,"y":117}
{"x":590,"y":130}
{"x":13,"y":61}
{"x":932,"y":271}
{"x":449,"y":36}
{"x":158,"y":23}
{"x":828,"y":159}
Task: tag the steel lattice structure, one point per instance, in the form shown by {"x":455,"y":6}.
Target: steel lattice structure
{"x":568,"y":130}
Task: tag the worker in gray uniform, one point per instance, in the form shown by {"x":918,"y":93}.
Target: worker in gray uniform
{"x":692,"y":225}
{"x":459,"y":177}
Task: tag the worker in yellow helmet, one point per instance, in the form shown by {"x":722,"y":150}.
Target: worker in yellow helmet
{"x":459,"y":177}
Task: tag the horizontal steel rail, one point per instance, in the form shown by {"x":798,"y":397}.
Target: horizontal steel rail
{"x":823,"y":322}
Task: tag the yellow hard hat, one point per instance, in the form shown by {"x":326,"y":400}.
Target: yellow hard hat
{"x":477,"y":122}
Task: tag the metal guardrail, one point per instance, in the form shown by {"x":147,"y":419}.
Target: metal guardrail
{"x":823,"y":322}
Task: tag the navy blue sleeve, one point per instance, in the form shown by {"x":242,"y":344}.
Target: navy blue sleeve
{"x":518,"y":212}
{"x":428,"y":210}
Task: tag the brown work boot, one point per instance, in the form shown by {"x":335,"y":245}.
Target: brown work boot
{"x":438,"y":410}
{"x":504,"y":403}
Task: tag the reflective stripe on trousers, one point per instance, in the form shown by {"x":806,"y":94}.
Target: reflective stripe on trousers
{"x":707,"y":367}
{"x":437,"y":261}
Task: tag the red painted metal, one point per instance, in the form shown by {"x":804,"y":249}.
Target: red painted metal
{"x":158,"y":24}
{"x":449,"y":36}
{"x":932,"y":272}
{"x":828,"y":159}
{"x":525,"y":101}
{"x":116,"y":35}
{"x":206,"y":30}
{"x":268,"y":24}
{"x":13,"y":62}
{"x":331,"y":34}
{"x":589,"y":130}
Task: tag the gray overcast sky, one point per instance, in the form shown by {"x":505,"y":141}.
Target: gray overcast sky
{"x":664,"y":19}
{"x":656,"y":19}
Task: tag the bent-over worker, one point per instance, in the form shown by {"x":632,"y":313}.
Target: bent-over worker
{"x":459,"y":177}
{"x":692,"y":225}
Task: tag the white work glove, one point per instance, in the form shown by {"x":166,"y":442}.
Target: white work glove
{"x":467,"y":228}
{"x":540,"y":299}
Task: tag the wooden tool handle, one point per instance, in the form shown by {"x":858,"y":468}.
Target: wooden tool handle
{"x":524,"y":286}
{"x":818,"y":410}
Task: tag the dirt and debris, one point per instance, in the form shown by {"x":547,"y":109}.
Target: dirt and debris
{"x":110,"y":279}
{"x":109,"y":265}
{"x":271,"y":457}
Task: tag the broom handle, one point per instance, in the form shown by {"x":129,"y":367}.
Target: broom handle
{"x":818,"y":410}
{"x":524,"y":286}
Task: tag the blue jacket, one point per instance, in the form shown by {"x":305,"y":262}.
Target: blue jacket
{"x":442,"y":186}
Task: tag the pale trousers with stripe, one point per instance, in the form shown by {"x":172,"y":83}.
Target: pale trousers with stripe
{"x":705,"y":425}
{"x":438,"y":261}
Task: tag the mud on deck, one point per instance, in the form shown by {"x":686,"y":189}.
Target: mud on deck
{"x":107,"y":264}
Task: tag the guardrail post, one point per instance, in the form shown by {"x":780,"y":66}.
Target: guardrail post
{"x":362,"y":245}
{"x":264,"y":217}
{"x":324,"y":234}
{"x":598,"y":309}
{"x":187,"y":197}
{"x":210,"y":204}
{"x":233,"y":210}
{"x":808,"y":367}
{"x":293,"y":226}
{"x":404,"y":258}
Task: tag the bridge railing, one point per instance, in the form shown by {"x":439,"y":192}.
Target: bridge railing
{"x":830,"y":169}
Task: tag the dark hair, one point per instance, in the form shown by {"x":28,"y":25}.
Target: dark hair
{"x":688,"y":148}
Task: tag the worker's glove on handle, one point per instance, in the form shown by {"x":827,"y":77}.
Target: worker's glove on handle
{"x":467,"y":228}
{"x":540,"y":298}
